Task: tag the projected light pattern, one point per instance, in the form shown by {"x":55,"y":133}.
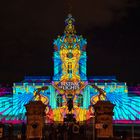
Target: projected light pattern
{"x":70,"y":81}
{"x":127,"y":109}
{"x":12,"y":108}
{"x":70,"y":54}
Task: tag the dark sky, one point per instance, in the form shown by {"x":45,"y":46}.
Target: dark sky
{"x":28,"y":28}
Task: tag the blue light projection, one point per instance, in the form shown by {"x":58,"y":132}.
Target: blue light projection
{"x":126,"y":110}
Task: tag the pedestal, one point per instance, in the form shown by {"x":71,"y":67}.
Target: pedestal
{"x":104,"y":119}
{"x":35,"y":119}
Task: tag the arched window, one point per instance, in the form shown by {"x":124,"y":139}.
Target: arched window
{"x":80,"y":100}
{"x":59,"y":100}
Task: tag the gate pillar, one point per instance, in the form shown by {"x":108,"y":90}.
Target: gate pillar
{"x":104,"y":119}
{"x":35,"y":119}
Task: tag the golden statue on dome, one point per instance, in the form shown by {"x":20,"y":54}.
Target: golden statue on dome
{"x":70,"y":28}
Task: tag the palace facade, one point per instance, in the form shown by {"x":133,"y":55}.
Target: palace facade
{"x":70,"y":81}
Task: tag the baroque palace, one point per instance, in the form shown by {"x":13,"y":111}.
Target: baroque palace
{"x":69,"y":82}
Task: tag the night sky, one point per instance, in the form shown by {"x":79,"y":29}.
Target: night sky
{"x":28,"y":28}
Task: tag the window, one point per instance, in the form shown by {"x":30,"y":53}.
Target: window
{"x":80,"y":100}
{"x":59,"y":100}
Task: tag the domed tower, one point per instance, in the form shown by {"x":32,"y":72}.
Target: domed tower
{"x":70,"y":78}
{"x":70,"y":54}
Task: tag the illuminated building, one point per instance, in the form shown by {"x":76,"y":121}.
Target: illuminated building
{"x":70,"y":81}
